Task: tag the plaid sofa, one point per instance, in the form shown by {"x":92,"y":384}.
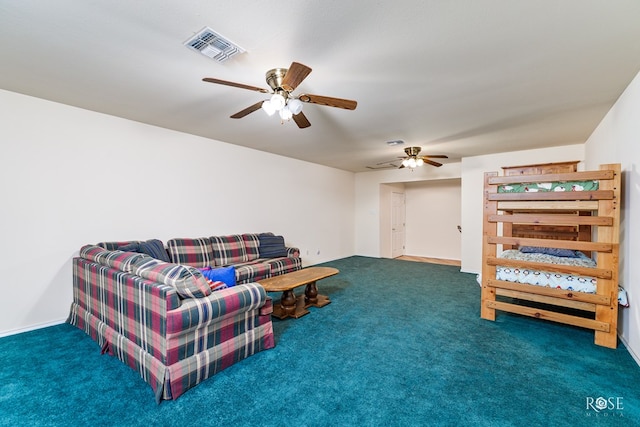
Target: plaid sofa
{"x":240,"y":250}
{"x":163,"y":320}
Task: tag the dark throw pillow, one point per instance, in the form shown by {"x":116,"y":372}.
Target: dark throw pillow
{"x":271,"y":246}
{"x":154,"y":248}
{"x":567,"y":253}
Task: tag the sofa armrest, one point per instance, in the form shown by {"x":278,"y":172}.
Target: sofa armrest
{"x":293,"y":252}
{"x":195,"y":312}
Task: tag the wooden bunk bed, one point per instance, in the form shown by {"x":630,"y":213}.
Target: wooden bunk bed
{"x":596,"y":209}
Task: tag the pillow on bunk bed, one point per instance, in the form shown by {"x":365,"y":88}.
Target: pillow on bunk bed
{"x":568,"y":253}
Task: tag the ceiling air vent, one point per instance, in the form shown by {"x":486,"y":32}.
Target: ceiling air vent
{"x":395,"y":142}
{"x":213,"y":45}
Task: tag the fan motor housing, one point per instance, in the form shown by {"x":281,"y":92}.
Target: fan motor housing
{"x":274,"y":78}
{"x":412,"y":151}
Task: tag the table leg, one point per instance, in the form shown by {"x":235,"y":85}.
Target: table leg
{"x":313,"y":298}
{"x":288,"y":302}
{"x":289,"y":306}
{"x":311,"y":294}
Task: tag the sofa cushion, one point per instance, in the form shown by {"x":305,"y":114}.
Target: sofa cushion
{"x":193,"y":252}
{"x":112,"y":246}
{"x":228,"y":250}
{"x":252,"y":271}
{"x":283,"y":265}
{"x":271,"y":246}
{"x":119,"y":260}
{"x":188,"y":281}
{"x":154,"y":248}
{"x":251,"y":245}
{"x":227,"y":275}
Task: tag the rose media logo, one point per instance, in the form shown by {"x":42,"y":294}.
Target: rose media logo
{"x":604,"y":406}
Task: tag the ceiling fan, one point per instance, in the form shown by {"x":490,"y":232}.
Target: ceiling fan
{"x":413,"y":159}
{"x":283,"y":82}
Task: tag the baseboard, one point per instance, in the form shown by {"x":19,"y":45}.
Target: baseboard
{"x":32,"y":328}
{"x":631,"y":352}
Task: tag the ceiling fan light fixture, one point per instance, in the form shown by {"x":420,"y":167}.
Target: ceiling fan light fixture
{"x":278,"y":102}
{"x":267,"y":107}
{"x":285,"y":113}
{"x":295,"y":106}
{"x":412,"y":163}
{"x":419,"y":162}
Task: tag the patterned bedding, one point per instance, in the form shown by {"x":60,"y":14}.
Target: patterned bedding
{"x":549,"y":186}
{"x":550,"y":279}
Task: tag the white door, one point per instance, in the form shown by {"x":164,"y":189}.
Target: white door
{"x":397,"y":224}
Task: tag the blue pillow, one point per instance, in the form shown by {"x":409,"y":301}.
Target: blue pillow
{"x":154,"y":248}
{"x":226,"y":275}
{"x":271,"y":246}
{"x":567,"y":253}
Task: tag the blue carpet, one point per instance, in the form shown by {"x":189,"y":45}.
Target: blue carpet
{"x":401,"y":344}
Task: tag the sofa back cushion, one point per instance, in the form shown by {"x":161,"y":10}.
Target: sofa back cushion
{"x":119,"y":260}
{"x":251,"y":245}
{"x":229,"y":250}
{"x":188,"y":281}
{"x":194,"y":252}
{"x":112,"y":246}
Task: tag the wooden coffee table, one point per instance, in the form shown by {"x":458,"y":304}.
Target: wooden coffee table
{"x":289,"y":305}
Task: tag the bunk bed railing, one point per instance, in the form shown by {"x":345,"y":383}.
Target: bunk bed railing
{"x":554,"y":195}
{"x":550,"y":219}
{"x":573,"y":176}
{"x":560,"y":244}
{"x":600,"y":273}
{"x":591,"y":299}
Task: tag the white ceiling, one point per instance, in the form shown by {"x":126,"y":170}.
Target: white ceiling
{"x":457,"y":77}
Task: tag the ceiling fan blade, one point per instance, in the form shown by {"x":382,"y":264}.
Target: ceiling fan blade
{"x":248,"y":110}
{"x":347,"y":104}
{"x":431,"y":162}
{"x":240,"y":85}
{"x":438,"y":156}
{"x":296,"y":73}
{"x":301,"y":120}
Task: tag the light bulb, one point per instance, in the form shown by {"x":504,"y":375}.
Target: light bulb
{"x":285,"y":113}
{"x":405,"y":163}
{"x":412,"y":162}
{"x":268,"y":108}
{"x":295,"y":106}
{"x":420,"y":162}
{"x":277,"y":101}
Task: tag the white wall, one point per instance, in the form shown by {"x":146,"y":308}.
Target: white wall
{"x":617,"y":140}
{"x":473,"y":169}
{"x":433,"y":213}
{"x":368,"y":193}
{"x":69,"y":177}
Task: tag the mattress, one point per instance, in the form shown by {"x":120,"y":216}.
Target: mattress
{"x":552,"y":279}
{"x":549,"y":186}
